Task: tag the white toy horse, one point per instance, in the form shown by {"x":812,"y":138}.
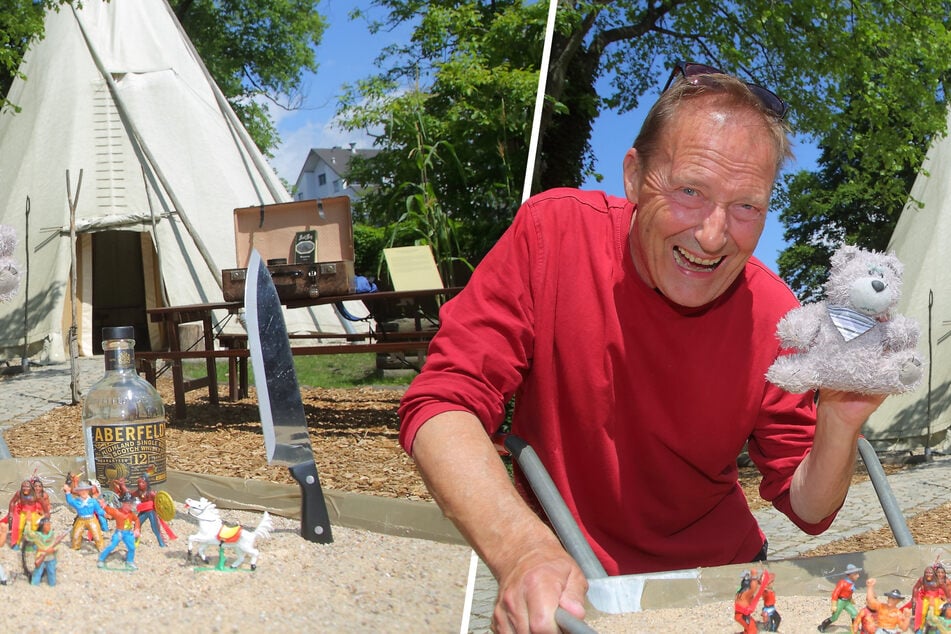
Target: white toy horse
{"x":211,"y":531}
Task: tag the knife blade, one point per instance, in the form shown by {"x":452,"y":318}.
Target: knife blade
{"x":286,"y":440}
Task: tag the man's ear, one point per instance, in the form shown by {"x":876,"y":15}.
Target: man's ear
{"x":632,"y":175}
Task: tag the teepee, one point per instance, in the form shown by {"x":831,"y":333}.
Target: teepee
{"x":921,"y":241}
{"x":116,"y":94}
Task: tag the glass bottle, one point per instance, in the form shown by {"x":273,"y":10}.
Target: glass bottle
{"x":123,"y":417}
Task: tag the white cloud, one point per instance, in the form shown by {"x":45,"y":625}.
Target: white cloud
{"x":299,"y":135}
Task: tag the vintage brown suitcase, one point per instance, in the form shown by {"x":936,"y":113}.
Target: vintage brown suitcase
{"x":296,"y":281}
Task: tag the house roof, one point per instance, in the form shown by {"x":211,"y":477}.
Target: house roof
{"x":337,"y":158}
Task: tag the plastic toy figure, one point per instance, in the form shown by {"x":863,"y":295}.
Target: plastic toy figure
{"x":104,"y":498}
{"x":25,"y":511}
{"x":769,"y":615}
{"x":940,"y":622}
{"x":866,"y":622}
{"x":942,"y":577}
{"x":891,"y":618}
{"x":41,"y":496}
{"x":213,"y":531}
{"x":927,"y":595}
{"x":46,"y":544}
{"x":127,"y":529}
{"x":747,"y":596}
{"x":146,"y":508}
{"x":88,"y":514}
{"x":842,"y":597}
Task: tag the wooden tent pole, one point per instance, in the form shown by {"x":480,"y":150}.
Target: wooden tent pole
{"x":73,"y":344}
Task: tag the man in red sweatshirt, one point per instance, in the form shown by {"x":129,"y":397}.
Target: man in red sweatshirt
{"x":634,"y":334}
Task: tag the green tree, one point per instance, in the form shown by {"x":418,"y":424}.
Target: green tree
{"x":20,"y":22}
{"x":864,"y":79}
{"x":256,"y":50}
{"x":459,"y":94}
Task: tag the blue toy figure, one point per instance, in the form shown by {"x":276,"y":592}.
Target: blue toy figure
{"x":127,"y":529}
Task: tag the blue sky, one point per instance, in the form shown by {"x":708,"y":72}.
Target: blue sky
{"x":347,"y":53}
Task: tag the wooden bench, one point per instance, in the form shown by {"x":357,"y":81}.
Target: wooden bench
{"x":238,"y":363}
{"x":383,"y":306}
{"x":146,"y":364}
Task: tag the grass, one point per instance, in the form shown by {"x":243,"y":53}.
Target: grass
{"x":325,"y":370}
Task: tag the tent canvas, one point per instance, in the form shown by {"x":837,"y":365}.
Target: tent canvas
{"x":116,"y":92}
{"x":920,"y":240}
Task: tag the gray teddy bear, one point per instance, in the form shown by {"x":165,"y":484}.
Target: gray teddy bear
{"x":9,"y":269}
{"x":851,"y":341}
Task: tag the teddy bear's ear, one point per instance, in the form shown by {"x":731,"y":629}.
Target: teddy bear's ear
{"x":845,"y":253}
{"x":892,"y":261}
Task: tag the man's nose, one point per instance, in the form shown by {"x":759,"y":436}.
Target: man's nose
{"x":712,"y":233}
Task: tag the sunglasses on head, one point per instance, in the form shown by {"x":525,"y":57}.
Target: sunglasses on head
{"x":693,"y":73}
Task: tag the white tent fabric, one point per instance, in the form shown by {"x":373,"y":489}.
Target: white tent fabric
{"x":921,"y":241}
{"x":115,"y":91}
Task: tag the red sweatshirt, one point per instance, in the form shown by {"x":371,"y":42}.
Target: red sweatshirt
{"x":637,"y":407}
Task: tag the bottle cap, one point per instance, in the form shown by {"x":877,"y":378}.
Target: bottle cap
{"x":118,"y":332}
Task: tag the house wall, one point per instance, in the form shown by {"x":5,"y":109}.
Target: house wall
{"x":322,"y":182}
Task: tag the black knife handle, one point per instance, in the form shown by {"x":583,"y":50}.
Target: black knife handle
{"x":314,"y":521}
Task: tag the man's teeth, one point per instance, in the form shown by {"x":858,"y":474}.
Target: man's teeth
{"x":688,"y":259}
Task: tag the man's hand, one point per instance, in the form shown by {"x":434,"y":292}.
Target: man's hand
{"x":848,"y":409}
{"x":822,"y":479}
{"x":538,"y":582}
{"x":463,"y":471}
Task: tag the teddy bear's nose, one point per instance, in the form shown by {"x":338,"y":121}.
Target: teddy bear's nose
{"x":878,"y":285}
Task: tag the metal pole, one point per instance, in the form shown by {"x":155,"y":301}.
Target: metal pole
{"x":884,"y":491}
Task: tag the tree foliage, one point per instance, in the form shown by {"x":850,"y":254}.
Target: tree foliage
{"x":20,"y":22}
{"x":459,"y":97}
{"x":256,"y":50}
{"x":866,"y":79}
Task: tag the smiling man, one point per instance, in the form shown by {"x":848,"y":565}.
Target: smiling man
{"x":635,"y":334}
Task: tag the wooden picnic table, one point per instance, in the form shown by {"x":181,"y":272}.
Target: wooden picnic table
{"x":419,"y":306}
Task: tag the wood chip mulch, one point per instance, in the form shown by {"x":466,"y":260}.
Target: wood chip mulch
{"x":353,"y":432}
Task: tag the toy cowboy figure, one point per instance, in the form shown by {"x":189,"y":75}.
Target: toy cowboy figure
{"x":842,"y":597}
{"x":127,"y":529}
{"x":88,"y":513}
{"x":892,"y":619}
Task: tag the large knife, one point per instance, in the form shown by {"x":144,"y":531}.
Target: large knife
{"x":286,"y":440}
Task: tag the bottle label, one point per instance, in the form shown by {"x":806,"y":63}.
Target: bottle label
{"x":129,"y":450}
{"x":117,"y":358}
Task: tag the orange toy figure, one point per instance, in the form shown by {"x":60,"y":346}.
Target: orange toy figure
{"x":127,"y":529}
{"x":747,"y":596}
{"x":891,"y":618}
{"x":842,"y":597}
{"x":25,"y":511}
{"x":927,"y":595}
{"x":865,"y":622}
{"x":769,"y":616}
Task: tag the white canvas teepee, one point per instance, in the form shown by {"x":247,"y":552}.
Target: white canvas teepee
{"x":922,"y":241}
{"x":116,"y":91}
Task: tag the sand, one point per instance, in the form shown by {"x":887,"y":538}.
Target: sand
{"x":362,"y":582}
